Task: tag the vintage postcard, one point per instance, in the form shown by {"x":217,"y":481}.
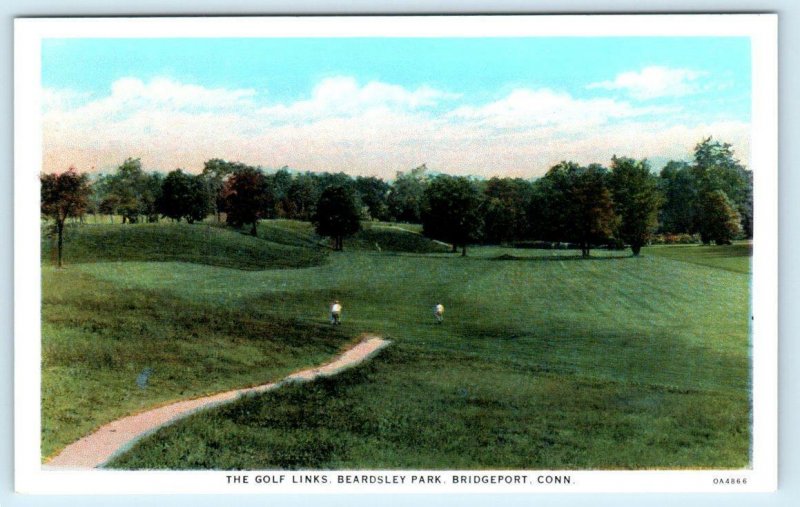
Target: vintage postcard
{"x":446,"y":254}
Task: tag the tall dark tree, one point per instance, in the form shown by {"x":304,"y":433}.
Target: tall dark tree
{"x":374,"y":194}
{"x":64,"y":195}
{"x":405,"y":197}
{"x":720,"y":222}
{"x":679,"y":189}
{"x":592,"y":211}
{"x":636,"y":200}
{"x":127,"y":185}
{"x":451,"y":211}
{"x":337,"y":215}
{"x":248,"y":198}
{"x":302,"y":196}
{"x":215,"y":172}
{"x":281,"y":181}
{"x":505,"y":212}
{"x":574,"y":204}
{"x":184,"y":196}
{"x":150,"y":194}
{"x":716,"y":168}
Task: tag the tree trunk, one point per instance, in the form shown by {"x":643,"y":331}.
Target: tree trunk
{"x":60,"y":228}
{"x":464,"y":250}
{"x":636,"y":248}
{"x":254,"y":231}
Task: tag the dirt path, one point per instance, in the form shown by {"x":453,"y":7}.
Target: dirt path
{"x":96,"y":449}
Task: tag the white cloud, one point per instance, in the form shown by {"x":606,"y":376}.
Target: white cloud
{"x":343,"y":96}
{"x":544,"y":107}
{"x":653,"y":82}
{"x":373,"y":128}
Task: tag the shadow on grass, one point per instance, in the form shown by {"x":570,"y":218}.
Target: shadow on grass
{"x":508,"y":257}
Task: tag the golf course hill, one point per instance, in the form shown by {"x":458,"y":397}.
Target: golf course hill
{"x":178,"y":242}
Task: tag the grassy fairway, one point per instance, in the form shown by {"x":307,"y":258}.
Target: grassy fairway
{"x":544,"y":361}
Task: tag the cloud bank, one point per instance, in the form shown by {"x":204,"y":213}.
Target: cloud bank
{"x":372,"y":128}
{"x":654,"y":82}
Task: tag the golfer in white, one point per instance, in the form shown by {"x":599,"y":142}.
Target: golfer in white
{"x":438,"y":313}
{"x":336,"y":313}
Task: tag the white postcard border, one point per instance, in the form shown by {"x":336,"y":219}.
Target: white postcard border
{"x":31,"y":477}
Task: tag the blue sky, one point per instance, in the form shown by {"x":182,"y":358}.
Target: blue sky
{"x":373,"y":106}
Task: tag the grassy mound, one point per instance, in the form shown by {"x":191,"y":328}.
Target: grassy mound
{"x":387,"y":238}
{"x":373,"y":237}
{"x":289,"y":232}
{"x":176,"y":242}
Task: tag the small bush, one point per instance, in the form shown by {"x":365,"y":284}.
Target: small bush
{"x":675,"y":239}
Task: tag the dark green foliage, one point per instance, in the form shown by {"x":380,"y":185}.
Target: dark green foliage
{"x":406,"y":194}
{"x":374,"y":194}
{"x":184,"y":196}
{"x":248,"y":197}
{"x":451,"y":211}
{"x":131,"y":192}
{"x":718,"y":219}
{"x":678,"y":186}
{"x":505,"y":210}
{"x":215,"y":173}
{"x":302,"y":196}
{"x":716,"y":168}
{"x":62,"y":196}
{"x":574,"y":204}
{"x":336,"y":215}
{"x":636,"y":200}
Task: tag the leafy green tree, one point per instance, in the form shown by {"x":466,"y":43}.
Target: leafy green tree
{"x":452,"y":211}
{"x":184,"y":196}
{"x":716,"y":168}
{"x":150,"y":193}
{"x":125,"y":185}
{"x":574,"y":204}
{"x":281,"y":181}
{"x":636,"y":200}
{"x":215,"y":172}
{"x":337,"y":215}
{"x":374,"y":194}
{"x":62,"y":196}
{"x":131,"y":192}
{"x":505,"y":213}
{"x":720,"y":222}
{"x":405,"y":197}
{"x":302,"y":196}
{"x":248,"y":198}
{"x":678,"y":187}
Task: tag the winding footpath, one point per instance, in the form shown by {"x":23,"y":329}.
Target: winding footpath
{"x":98,"y":448}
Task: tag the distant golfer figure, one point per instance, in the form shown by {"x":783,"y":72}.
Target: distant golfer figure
{"x":438,"y":313}
{"x":336,"y":313}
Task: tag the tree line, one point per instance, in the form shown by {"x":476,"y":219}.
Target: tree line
{"x":622,"y":204}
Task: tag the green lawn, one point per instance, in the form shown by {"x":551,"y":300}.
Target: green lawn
{"x":736,"y":257}
{"x":544,"y":361}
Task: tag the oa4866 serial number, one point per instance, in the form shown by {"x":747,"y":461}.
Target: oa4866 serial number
{"x":730,"y":481}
